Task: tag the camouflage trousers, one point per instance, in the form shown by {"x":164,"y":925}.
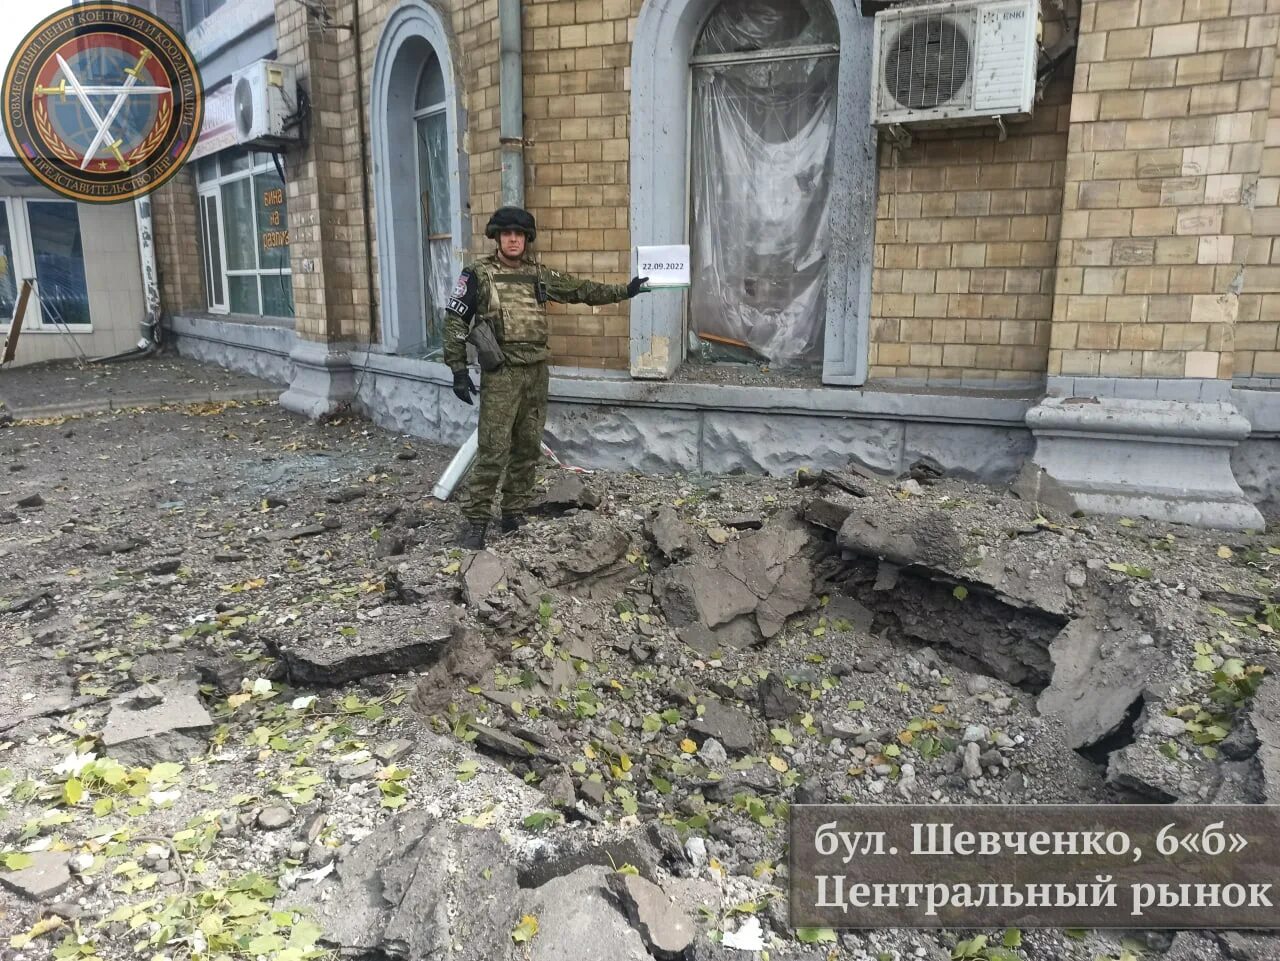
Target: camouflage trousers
{"x":513,"y":413}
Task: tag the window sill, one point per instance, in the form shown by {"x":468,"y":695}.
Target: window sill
{"x":4,"y":329}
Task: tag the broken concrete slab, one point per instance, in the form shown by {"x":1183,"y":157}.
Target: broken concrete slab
{"x":1035,"y":485}
{"x":673,"y":537}
{"x":845,"y":613}
{"x":156,"y":720}
{"x":738,"y":634}
{"x":665,"y":928}
{"x":482,"y":574}
{"x":765,"y":574}
{"x":403,"y":893}
{"x":1250,"y":945}
{"x":776,"y":701}
{"x":567,"y":491}
{"x":1142,"y":771}
{"x":1265,"y":717}
{"x":501,"y":742}
{"x":826,"y":513}
{"x":446,"y":905}
{"x":48,"y":876}
{"x":1097,"y":678}
{"x":587,"y":553}
{"x":706,"y":595}
{"x":577,"y":921}
{"x":544,"y":860}
{"x":930,"y":539}
{"x":728,"y":725}
{"x":328,"y":661}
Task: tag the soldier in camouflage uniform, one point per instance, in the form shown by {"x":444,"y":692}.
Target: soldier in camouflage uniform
{"x":509,"y":289}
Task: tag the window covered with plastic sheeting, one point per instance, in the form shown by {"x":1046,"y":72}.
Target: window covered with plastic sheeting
{"x":434,"y":196}
{"x":763,"y":134}
{"x":748,"y":26}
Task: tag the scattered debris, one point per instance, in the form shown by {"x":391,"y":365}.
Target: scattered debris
{"x":47,"y":876}
{"x":156,"y":722}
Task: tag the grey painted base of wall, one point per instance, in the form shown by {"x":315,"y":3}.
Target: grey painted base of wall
{"x":668,"y":428}
{"x":661,"y":427}
{"x":256,"y":349}
{"x":1148,"y":458}
{"x":323,"y":380}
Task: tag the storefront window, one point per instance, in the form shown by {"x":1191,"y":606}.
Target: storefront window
{"x":244,"y":219}
{"x":59,"y":259}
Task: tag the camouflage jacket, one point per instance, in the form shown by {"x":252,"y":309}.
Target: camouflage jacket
{"x":507,"y":298}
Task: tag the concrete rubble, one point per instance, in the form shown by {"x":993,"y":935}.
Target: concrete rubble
{"x":584,"y":742}
{"x":156,"y":722}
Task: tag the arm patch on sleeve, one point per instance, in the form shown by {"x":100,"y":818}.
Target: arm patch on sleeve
{"x":462,"y":299}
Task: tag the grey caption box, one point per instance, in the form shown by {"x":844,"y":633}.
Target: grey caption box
{"x":1144,"y":866}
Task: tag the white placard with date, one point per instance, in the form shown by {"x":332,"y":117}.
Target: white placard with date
{"x":664,"y":266}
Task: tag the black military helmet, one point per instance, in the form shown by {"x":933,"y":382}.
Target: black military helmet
{"x":511,"y":218}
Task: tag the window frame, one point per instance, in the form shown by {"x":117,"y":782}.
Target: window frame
{"x":190,"y":19}
{"x":24,"y":260}
{"x":212,"y":187}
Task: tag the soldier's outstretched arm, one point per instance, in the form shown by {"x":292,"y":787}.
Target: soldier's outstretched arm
{"x":458,"y":314}
{"x":567,"y":289}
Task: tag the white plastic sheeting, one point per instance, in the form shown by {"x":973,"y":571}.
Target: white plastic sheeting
{"x":762,"y":153}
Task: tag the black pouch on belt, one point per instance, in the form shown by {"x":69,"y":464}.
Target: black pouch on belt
{"x":488,"y":351}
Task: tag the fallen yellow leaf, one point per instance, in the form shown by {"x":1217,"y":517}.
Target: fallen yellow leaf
{"x":777,"y":763}
{"x":1225,"y":552}
{"x":688,"y":747}
{"x":42,"y":927}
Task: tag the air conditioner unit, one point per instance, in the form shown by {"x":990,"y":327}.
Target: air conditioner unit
{"x":264,"y":96}
{"x":954,"y":64}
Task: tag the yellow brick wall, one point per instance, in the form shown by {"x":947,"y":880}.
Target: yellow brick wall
{"x":1257,"y":334}
{"x":966,"y":240}
{"x":1168,"y":118}
{"x":1107,"y":236}
{"x":175,"y":221}
{"x":577,"y":103}
{"x":577,"y":106}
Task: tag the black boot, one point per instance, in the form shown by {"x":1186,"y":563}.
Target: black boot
{"x":472,"y":535}
{"x":512,"y":523}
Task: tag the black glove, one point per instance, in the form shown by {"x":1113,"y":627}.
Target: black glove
{"x":462,"y":386}
{"x":633,"y":288}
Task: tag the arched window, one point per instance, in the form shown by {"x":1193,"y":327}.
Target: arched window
{"x":768,"y":171}
{"x":763,"y":137}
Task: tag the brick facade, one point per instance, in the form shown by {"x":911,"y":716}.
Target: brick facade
{"x":966,"y":241}
{"x":1168,"y":119}
{"x":1126,"y":230}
